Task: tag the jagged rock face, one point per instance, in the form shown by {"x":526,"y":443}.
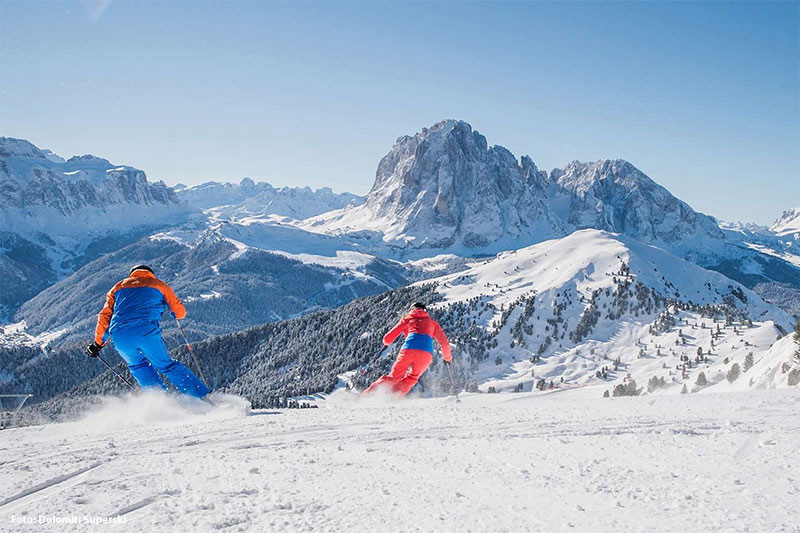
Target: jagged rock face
{"x":45,"y":188}
{"x":10,"y":147}
{"x":614,"y":195}
{"x":444,"y":186}
{"x":788,"y":223}
{"x":29,"y":179}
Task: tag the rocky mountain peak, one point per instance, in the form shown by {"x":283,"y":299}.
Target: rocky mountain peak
{"x":789,"y":222}
{"x":11,"y":147}
{"x":445,"y":187}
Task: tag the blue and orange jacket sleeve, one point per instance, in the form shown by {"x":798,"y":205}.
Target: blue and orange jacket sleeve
{"x":104,"y":317}
{"x":174,"y":303}
{"x":395,"y":332}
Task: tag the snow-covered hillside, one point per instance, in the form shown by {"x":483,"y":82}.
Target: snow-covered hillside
{"x":568,"y":308}
{"x":231,"y":201}
{"x":495,"y":462}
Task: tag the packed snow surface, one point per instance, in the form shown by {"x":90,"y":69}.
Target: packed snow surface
{"x":495,"y":462}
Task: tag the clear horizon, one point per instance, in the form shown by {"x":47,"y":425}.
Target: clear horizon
{"x":702,"y":97}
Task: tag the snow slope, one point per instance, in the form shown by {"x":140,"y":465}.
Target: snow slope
{"x":554,"y":462}
{"x":563,"y":309}
{"x":539,"y":301}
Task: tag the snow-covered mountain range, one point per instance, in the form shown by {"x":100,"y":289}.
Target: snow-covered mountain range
{"x":44,"y":197}
{"x":247,"y":198}
{"x":56,"y":215}
{"x":446,"y":188}
{"x":443,"y":203}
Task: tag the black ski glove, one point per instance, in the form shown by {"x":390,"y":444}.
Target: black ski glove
{"x":93,"y":350}
{"x":447,"y":363}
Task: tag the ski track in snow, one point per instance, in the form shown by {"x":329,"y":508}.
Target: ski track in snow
{"x":495,"y":462}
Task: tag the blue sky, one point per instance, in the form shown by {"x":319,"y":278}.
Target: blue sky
{"x":702,"y":97}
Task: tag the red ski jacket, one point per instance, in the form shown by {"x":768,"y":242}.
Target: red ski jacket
{"x":420,"y":330}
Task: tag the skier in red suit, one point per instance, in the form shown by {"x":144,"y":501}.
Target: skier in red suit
{"x":417,"y":352}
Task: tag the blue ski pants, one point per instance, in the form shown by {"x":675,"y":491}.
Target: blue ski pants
{"x":143,"y":349}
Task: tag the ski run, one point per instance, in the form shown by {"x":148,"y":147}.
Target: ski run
{"x":541,"y":461}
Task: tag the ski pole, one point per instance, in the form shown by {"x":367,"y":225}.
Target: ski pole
{"x":125,"y":381}
{"x":450,"y":373}
{"x":191,"y":352}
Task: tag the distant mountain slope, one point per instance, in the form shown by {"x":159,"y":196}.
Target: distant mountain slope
{"x":231,"y":200}
{"x":226,"y":283}
{"x":68,"y":200}
{"x":616,"y":196}
{"x":444,"y":188}
{"x":57,"y":215}
{"x":564,"y":308}
{"x":788,"y":224}
{"x":769,"y":270}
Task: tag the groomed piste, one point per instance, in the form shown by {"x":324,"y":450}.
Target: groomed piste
{"x":495,"y":462}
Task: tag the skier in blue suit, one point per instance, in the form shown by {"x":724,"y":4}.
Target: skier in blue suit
{"x":132,"y":316}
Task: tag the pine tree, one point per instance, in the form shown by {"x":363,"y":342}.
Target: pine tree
{"x":748,"y":362}
{"x":701,"y":380}
{"x":733,"y":373}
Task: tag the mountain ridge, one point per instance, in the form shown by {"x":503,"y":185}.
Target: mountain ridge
{"x":445,"y":187}
{"x":248,"y":198}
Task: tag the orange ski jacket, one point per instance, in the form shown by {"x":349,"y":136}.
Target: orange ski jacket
{"x":136,"y":300}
